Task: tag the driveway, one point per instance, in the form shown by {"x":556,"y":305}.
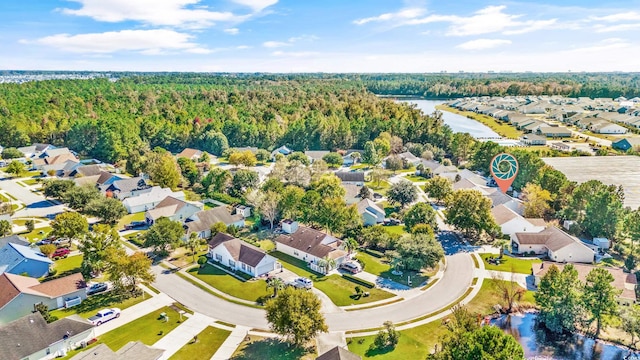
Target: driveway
{"x":456,"y":280}
{"x":36,"y":205}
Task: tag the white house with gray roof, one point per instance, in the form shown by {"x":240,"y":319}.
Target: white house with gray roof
{"x":149,"y":200}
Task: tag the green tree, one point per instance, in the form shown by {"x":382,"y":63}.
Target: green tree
{"x":193,"y":244}
{"x":78,"y":197}
{"x":350,"y":244}
{"x":329,"y":186}
{"x":5,"y":228}
{"x":419,"y":251}
{"x":529,"y":166}
{"x":438,"y":188}
{"x":245,"y":158}
{"x":403,"y":193}
{"x":164,"y":235}
{"x":462,"y":146}
{"x":630,"y":228}
{"x":374,"y":237}
{"x":217,"y":180}
{"x":163,"y":170}
{"x":243,"y":180}
{"x":333,"y":159}
{"x":602,"y":214}
{"x":127,"y":271}
{"x":291,"y":201}
{"x":273,"y":184}
{"x":57,"y":188}
{"x":393,"y":163}
{"x":365,"y":193}
{"x":295,"y":314}
{"x":469,"y":211}
{"x":47,"y":249}
{"x":16,"y":168}
{"x":299,"y":156}
{"x":551,"y":180}
{"x":600,"y":298}
{"x":108,"y":209}
{"x":631,"y":323}
{"x":378,"y":175}
{"x":262,"y":155}
{"x":96,"y":246}
{"x":189,"y":170}
{"x":558,"y":298}
{"x":370,"y":154}
{"x":11,"y":153}
{"x":387,"y":338}
{"x":44,"y":311}
{"x":420,"y":213}
{"x":69,"y":225}
{"x":218,"y":227}
{"x":483,"y":152}
{"x":383,"y":144}
{"x":30,"y":224}
{"x":212,"y":142}
{"x":268,"y":206}
{"x":276,"y":284}
{"x":536,"y":201}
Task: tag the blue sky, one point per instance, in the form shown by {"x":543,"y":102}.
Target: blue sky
{"x":320,"y":35}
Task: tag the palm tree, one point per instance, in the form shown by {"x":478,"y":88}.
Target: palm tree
{"x":276,"y":284}
{"x":193,"y":245}
{"x":326,"y":264}
{"x":501,"y":243}
{"x":396,"y":264}
{"x":350,"y":244}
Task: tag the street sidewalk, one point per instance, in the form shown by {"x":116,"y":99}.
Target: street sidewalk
{"x":181,"y":335}
{"x":232,"y":342}
{"x":136,"y":311}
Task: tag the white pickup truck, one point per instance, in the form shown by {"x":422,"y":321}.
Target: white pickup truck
{"x":104,"y":315}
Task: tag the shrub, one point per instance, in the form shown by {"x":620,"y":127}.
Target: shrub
{"x":359,"y":281}
{"x":374,"y":253}
{"x":202,"y":260}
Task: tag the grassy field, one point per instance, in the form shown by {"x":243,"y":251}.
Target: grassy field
{"x":381,"y":267}
{"x":129,"y":218}
{"x":415,"y":178}
{"x":510,"y":264}
{"x":256,"y":347}
{"x":395,"y":229}
{"x":501,"y":128}
{"x":70,"y":264}
{"x":97,"y":302}
{"x":252,"y":290}
{"x":37,"y":234}
{"x":147,"y":329}
{"x":382,"y":188}
{"x":342,"y":291}
{"x":31,"y":181}
{"x":416,"y":343}
{"x":136,"y":238}
{"x":209,"y":340}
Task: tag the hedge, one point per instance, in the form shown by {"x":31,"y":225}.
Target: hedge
{"x":374,"y":253}
{"x":359,"y":281}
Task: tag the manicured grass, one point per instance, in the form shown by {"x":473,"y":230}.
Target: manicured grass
{"x":382,"y":188}
{"x":267,"y":245}
{"x":209,"y":340}
{"x":372,"y":264}
{"x":360,"y":166}
{"x":4,"y":198}
{"x":93,"y":303}
{"x":510,"y":264}
{"x":129,"y":218}
{"x":32,"y":173}
{"x":257,"y":347}
{"x":36,"y":234}
{"x":136,"y":238}
{"x":147,"y":329}
{"x":340,"y":290}
{"x":395,"y":229}
{"x":31,"y":181}
{"x":501,"y":128}
{"x":70,"y":264}
{"x":253,"y":290}
{"x":415,"y":178}
{"x":380,"y":267}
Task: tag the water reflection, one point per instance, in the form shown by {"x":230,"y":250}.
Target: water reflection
{"x":540,"y":344}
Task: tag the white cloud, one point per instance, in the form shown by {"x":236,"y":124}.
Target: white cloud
{"x":403,"y":14}
{"x":290,"y":41}
{"x":625,"y":16}
{"x":232,"y":31}
{"x":295,"y":53}
{"x":603,"y":47}
{"x":482,"y":44}
{"x":616,"y":28}
{"x":149,"y":42}
{"x":256,"y":5}
{"x":154,"y":12}
{"x":275,"y":44}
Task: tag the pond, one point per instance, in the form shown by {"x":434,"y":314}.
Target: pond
{"x":540,"y":344}
{"x":457,"y":123}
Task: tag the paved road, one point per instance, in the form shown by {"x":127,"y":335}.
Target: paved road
{"x":456,"y":279}
{"x":36,"y":205}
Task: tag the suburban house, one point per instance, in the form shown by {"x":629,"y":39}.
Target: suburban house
{"x":370,"y":212}
{"x":314,"y":155}
{"x":283,"y":150}
{"x":351,"y":193}
{"x":14,"y":239}
{"x":21,"y":259}
{"x":437,"y":168}
{"x":349,"y":159}
{"x":625,"y":282}
{"x":554,"y":131}
{"x":240,"y":255}
{"x":20,"y":294}
{"x":172,"y":208}
{"x":124,"y":188}
{"x":132,"y":350}
{"x":310,"y":245}
{"x":533,"y":140}
{"x":202,"y":221}
{"x":511,"y":222}
{"x":626,"y":144}
{"x":245,"y":211}
{"x":104,"y":178}
{"x":351,"y":177}
{"x":55,"y":165}
{"x":553,"y":242}
{"x":35,"y":150}
{"x":608,"y":128}
{"x":149,"y":200}
{"x":30,"y":337}
{"x":191,"y":154}
{"x":339,"y":353}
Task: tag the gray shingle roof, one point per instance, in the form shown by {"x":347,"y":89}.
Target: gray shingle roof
{"x":239,"y":250}
{"x":207,"y":218}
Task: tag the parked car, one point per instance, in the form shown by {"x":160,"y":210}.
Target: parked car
{"x":351,"y":267}
{"x":97,"y":288}
{"x":135,"y":225}
{"x":44,"y":242}
{"x":62,"y":242}
{"x":302,"y":283}
{"x":104,"y":315}
{"x":60,"y":253}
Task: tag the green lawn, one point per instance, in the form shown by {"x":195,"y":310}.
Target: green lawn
{"x":415,"y":178}
{"x":136,"y":238}
{"x":97,"y":302}
{"x":257,"y":347}
{"x":395,"y":229}
{"x":382,"y":188}
{"x":510,"y":264}
{"x":340,"y":290}
{"x":147,"y":329}
{"x":37,"y":234}
{"x":209,"y":340}
{"x":31,"y":181}
{"x":32,"y":173}
{"x":360,"y":166}
{"x":3,"y":198}
{"x":252,"y":290}
{"x":129,"y":218}
{"x":381,"y":267}
{"x":498,"y":126}
{"x":68,"y":265}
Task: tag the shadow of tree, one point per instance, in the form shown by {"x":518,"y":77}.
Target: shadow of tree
{"x":272,"y":349}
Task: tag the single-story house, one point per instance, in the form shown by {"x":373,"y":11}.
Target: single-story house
{"x":511,"y":222}
{"x":20,"y":294}
{"x":191,"y":154}
{"x":174,"y":209}
{"x":20,"y":259}
{"x":533,"y":140}
{"x":351,"y":177}
{"x":406,"y":156}
{"x":349,"y":159}
{"x":35,"y":150}
{"x":124,"y":188}
{"x":351,"y":193}
{"x":240,"y":255}
{"x":554,"y":131}
{"x":437,"y":168}
{"x":80,"y":170}
{"x":104,"y":178}
{"x":370,"y":212}
{"x":30,"y":337}
{"x":339,"y":353}
{"x":609,"y":128}
{"x":13,"y":239}
{"x":553,"y":242}
{"x":309,"y":245}
{"x":132,"y":350}
{"x":284,"y":150}
{"x":202,"y":221}
{"x":149,"y":200}
{"x":314,"y":155}
{"x":626,"y":144}
{"x":625,"y":282}
{"x":560,"y":146}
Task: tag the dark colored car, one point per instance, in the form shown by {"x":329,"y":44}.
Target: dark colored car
{"x":135,"y":225}
{"x":97,"y":288}
{"x":60,"y":253}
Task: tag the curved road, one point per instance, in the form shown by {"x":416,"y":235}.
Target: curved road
{"x":455,"y":281}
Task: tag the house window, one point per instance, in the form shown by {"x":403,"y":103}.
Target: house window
{"x":232,"y":263}
{"x":219,"y":257}
{"x":48,"y":351}
{"x":249,"y":268}
{"x":295,"y":253}
{"x":244,"y":267}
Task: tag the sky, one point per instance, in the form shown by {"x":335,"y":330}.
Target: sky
{"x":320,"y":35}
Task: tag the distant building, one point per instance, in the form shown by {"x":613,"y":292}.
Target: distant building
{"x":19,"y":259}
{"x":351,"y":177}
{"x":626,"y":143}
{"x":202,"y":221}
{"x":553,"y":242}
{"x":191,"y":154}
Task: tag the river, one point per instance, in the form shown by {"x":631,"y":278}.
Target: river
{"x":538,"y":345}
{"x":457,"y":123}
